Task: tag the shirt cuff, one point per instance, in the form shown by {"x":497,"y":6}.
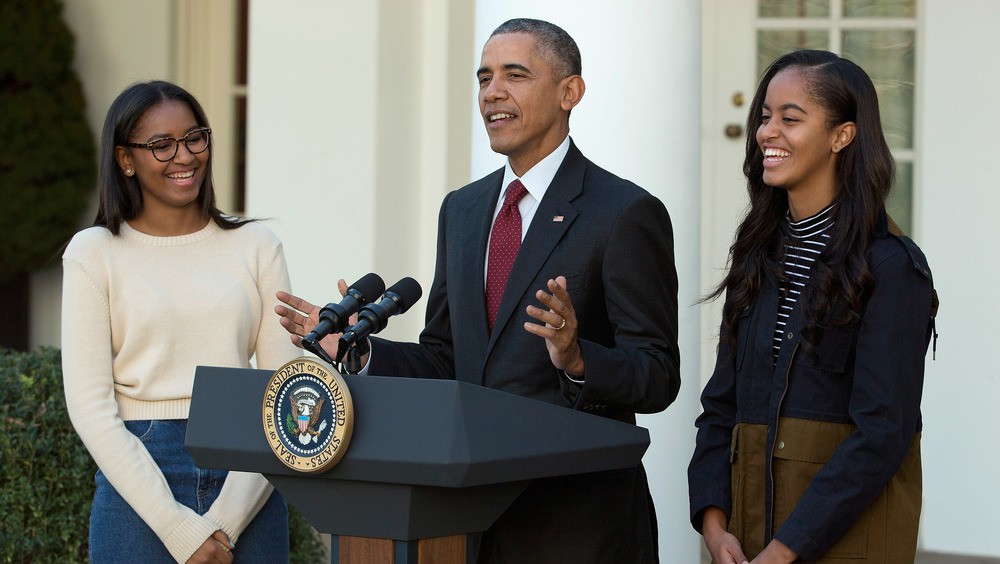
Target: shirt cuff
{"x":371,"y":354}
{"x":571,"y":379}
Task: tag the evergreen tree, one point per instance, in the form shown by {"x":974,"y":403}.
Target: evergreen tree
{"x":47,"y":162}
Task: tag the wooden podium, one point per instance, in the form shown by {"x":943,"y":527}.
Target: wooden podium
{"x":430,"y":463}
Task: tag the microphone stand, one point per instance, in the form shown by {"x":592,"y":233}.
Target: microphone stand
{"x":352,"y":364}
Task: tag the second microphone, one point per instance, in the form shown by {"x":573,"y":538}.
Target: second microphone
{"x":335,"y":317}
{"x":374,"y":317}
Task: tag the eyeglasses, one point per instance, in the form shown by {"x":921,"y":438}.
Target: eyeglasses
{"x":164,"y":149}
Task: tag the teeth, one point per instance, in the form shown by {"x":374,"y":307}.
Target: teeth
{"x":181,"y":175}
{"x":495,"y":117}
{"x":775,"y":153}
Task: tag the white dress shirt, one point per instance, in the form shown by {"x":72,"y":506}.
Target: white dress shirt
{"x":536,"y":181}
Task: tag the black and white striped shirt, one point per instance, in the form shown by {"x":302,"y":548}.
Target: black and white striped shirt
{"x":804,"y":241}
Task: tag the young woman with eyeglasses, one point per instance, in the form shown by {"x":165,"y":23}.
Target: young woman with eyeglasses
{"x":161,"y":283}
{"x":809,"y":444}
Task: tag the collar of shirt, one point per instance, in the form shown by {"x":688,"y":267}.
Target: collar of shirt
{"x":536,"y":181}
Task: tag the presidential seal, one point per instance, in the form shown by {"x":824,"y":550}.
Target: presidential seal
{"x":308,"y":415}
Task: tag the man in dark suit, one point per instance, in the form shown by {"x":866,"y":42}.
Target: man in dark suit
{"x":585,"y":316}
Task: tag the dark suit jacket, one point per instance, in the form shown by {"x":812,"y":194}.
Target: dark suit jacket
{"x":613,"y":241}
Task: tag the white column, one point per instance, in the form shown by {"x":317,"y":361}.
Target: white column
{"x":956,"y":202}
{"x":311,"y":136}
{"x":640,"y":119}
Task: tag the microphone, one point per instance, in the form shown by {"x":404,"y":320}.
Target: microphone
{"x":374,"y":317}
{"x":335,"y":317}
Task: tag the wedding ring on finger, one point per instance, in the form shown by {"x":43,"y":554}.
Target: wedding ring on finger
{"x":560,"y":328}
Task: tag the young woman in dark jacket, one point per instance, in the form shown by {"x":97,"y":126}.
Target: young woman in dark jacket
{"x":809,"y":444}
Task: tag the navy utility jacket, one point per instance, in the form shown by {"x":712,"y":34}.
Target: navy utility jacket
{"x":865,"y":376}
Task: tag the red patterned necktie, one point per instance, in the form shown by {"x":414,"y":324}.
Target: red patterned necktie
{"x":505,"y":241}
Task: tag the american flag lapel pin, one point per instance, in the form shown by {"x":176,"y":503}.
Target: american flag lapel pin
{"x":557,"y":218}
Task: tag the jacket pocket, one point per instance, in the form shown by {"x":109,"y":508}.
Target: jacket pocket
{"x":576,"y":281}
{"x":802,"y":447}
{"x":833,"y":350}
{"x":747,"y":456}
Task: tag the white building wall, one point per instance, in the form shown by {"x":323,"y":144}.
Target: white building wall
{"x":640,"y":119}
{"x":957,"y":200}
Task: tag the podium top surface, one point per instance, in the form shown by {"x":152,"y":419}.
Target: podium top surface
{"x":415,"y":431}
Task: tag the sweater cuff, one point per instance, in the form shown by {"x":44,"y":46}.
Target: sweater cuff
{"x":242,"y":497}
{"x":189,"y":536}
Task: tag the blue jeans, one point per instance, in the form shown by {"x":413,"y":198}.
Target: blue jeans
{"x":118,"y":534}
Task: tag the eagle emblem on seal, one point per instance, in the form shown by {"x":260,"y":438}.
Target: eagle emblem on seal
{"x":307,"y":406}
{"x":307,"y":415}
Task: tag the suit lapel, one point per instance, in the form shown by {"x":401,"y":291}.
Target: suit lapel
{"x":471,"y":275}
{"x":542,"y":237}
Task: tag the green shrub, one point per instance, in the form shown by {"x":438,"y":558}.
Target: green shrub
{"x":47,"y":476}
{"x":306,"y":547}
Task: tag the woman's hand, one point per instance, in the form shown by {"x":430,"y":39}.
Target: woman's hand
{"x":722,"y":545}
{"x":217,"y":549}
{"x":776,"y":552}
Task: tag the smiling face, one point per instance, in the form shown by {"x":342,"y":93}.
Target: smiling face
{"x":172,"y":186}
{"x":799,"y":146}
{"x":525,"y":107}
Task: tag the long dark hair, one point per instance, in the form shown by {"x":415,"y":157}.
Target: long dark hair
{"x":864,"y":170}
{"x":121,"y":197}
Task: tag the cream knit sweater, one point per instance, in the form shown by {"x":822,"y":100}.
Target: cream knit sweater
{"x":139,"y":313}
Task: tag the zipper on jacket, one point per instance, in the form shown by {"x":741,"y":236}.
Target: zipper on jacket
{"x":770,"y":458}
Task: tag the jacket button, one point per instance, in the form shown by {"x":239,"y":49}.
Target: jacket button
{"x":781,"y":445}
{"x":789,"y":335}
